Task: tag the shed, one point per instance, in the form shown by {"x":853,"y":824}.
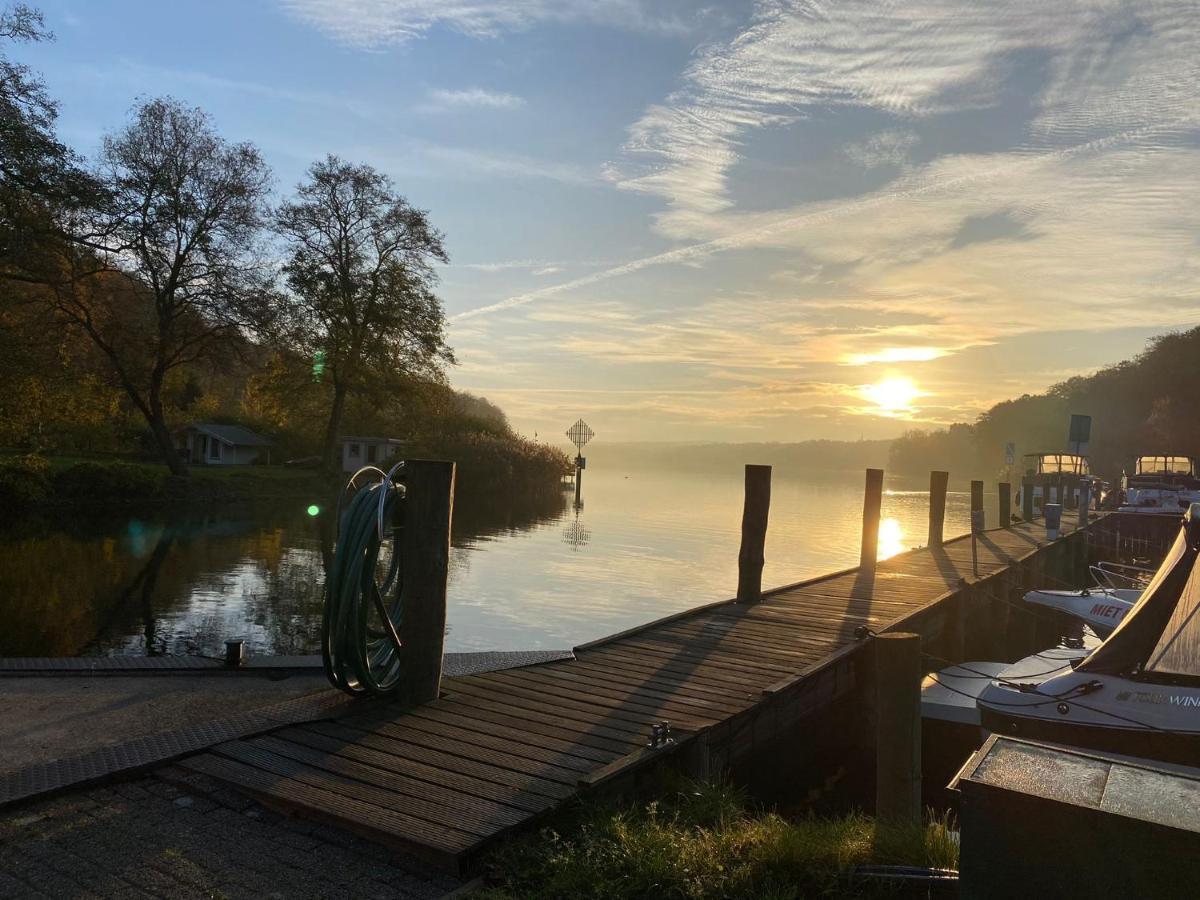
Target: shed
{"x":207,"y":443}
{"x":360,"y":451}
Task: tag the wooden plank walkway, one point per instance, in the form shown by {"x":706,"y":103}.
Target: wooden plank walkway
{"x":498,"y":749}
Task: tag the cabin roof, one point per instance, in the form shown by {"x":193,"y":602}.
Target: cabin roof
{"x":232,"y":434}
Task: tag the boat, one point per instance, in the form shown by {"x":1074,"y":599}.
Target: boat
{"x":1138,"y":693}
{"x":1161,"y":485}
{"x":1102,"y":609}
{"x":1050,"y":476}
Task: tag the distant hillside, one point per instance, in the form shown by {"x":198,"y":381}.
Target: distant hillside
{"x":1148,"y":404}
{"x":807,"y":457}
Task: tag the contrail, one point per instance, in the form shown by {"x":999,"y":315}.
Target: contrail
{"x":742,"y":238}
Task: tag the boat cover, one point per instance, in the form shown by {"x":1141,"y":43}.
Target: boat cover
{"x":1161,"y":634}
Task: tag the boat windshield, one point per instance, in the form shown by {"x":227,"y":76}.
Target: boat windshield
{"x":1057,"y":463}
{"x":1164,"y":465}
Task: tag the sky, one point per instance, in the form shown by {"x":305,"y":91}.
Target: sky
{"x":739,"y":221}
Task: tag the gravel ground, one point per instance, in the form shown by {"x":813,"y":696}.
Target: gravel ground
{"x":179,"y":835}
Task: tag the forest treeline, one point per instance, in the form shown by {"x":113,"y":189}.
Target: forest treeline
{"x":164,"y":281}
{"x":1148,"y":404}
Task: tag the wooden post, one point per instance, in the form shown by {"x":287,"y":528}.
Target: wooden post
{"x":872,"y":506}
{"x":898,"y":729}
{"x":428,"y":508}
{"x":938,"y":482}
{"x":578,"y":477}
{"x":1027,"y":499}
{"x":976,"y":498}
{"x":1085,"y":501}
{"x":1005,"y":504}
{"x":754,"y":533}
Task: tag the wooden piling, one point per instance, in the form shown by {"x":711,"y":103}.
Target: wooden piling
{"x":1005,"y":504}
{"x":976,"y":499}
{"x":872,"y":507}
{"x":898,"y":730}
{"x":425,"y":545}
{"x":755,"y":510}
{"x":938,"y":482}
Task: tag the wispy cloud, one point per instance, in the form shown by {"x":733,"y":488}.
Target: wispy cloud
{"x":442,"y":100}
{"x":373,"y":24}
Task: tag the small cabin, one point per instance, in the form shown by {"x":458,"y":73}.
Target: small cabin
{"x":369,"y":451}
{"x":210,"y":444}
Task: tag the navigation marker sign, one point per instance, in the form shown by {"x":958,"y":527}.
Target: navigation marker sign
{"x":580,"y":434}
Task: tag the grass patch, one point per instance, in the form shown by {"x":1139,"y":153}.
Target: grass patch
{"x":701,"y":841}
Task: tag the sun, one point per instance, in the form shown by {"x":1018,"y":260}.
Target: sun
{"x":892,"y":395}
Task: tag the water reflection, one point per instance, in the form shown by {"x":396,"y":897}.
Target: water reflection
{"x":526,"y":572}
{"x":891,"y":538}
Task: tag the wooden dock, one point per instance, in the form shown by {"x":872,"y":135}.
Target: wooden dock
{"x":497,"y":750}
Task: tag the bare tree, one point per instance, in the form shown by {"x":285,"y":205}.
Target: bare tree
{"x":171,"y":275}
{"x":360,"y":269}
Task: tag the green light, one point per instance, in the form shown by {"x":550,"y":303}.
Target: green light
{"x":314,"y":510}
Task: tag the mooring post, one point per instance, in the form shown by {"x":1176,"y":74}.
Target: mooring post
{"x":1005,"y":504}
{"x":1085,"y":500}
{"x":754,"y":533}
{"x":425,"y":549}
{"x":872,"y":506}
{"x":938,"y":482}
{"x":976,"y":498}
{"x":898,"y":730}
{"x":1027,"y":499}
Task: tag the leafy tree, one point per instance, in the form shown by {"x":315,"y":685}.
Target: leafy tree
{"x":41,"y":181}
{"x":360,"y":269}
{"x":172,"y":276}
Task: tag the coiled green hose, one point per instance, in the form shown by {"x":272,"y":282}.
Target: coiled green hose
{"x":360,"y":641}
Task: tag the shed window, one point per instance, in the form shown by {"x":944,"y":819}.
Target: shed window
{"x":354,"y":451}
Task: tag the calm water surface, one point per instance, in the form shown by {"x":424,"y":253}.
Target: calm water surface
{"x":644,"y":544}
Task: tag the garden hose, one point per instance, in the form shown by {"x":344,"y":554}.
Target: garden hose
{"x":360,"y":641}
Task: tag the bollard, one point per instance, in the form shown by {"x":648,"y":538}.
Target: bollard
{"x":976,"y":501}
{"x":872,"y":505}
{"x":1053,"y":515}
{"x":898,"y":730}
{"x":937,"y":506}
{"x":1005,"y":490}
{"x":425,"y":545}
{"x":235,"y":654}
{"x":976,"y":530}
{"x":755,"y":510}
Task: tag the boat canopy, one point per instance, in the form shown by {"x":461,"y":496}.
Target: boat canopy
{"x":1056,"y":463}
{"x":1161,"y":634}
{"x":1164,"y":465}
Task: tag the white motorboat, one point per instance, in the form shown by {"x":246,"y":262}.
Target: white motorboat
{"x":1100,"y":608}
{"x":1139,"y":691}
{"x":1161,"y":485}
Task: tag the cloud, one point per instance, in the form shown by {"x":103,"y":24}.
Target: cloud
{"x":886,"y":148}
{"x":1111,"y":67}
{"x":373,"y":24}
{"x":441,"y":100}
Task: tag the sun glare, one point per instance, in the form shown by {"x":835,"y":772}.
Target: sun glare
{"x":891,"y":538}
{"x":892,"y":395}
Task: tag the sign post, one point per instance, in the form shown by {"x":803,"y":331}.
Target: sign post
{"x":1081,"y":432}
{"x":580,"y":434}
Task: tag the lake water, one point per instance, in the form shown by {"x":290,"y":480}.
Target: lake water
{"x":644,"y":544}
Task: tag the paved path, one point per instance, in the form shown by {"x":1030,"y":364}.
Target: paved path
{"x":176,"y":835}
